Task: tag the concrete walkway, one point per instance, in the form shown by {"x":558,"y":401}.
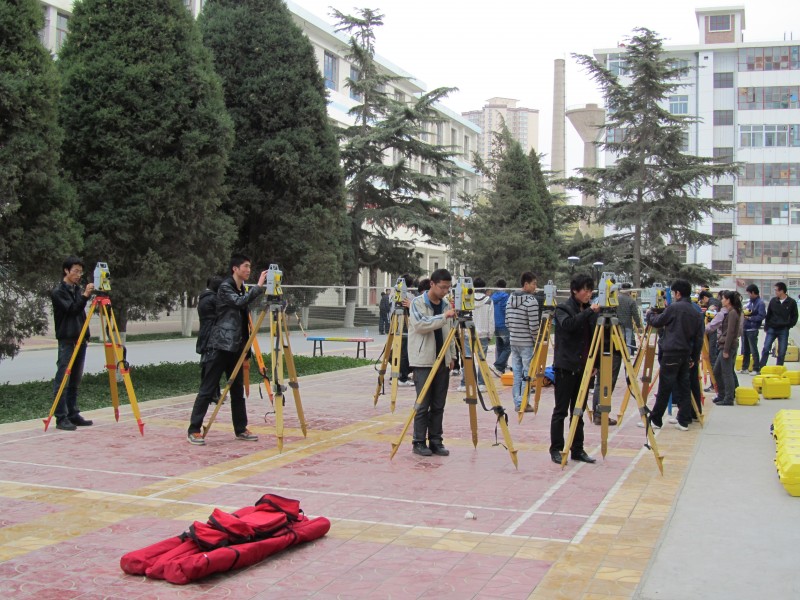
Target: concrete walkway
{"x":718,"y":524}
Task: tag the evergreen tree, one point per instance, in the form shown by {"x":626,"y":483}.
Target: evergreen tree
{"x":37,"y":228}
{"x":650,"y":195}
{"x":509,"y":232}
{"x":147,"y":141}
{"x":386,"y":198}
{"x":285,"y":181}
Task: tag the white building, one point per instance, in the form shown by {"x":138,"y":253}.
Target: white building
{"x":746,"y":97}
{"x":330,"y":49}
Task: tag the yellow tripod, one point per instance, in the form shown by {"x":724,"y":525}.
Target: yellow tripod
{"x":112,"y":343}
{"x":467,"y":339}
{"x":281,"y":356}
{"x":608,"y":324}
{"x":645,"y":359}
{"x":537,"y":366}
{"x":392,"y":351}
{"x":262,"y":369}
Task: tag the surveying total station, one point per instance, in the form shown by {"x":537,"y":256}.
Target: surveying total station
{"x":112,"y":344}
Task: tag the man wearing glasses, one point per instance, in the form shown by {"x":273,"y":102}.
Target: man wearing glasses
{"x":69,"y":314}
{"x":430,"y":322}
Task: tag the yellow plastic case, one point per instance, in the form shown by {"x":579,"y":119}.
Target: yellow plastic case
{"x":746,"y":396}
{"x":776,"y":388}
{"x":793,"y":377}
{"x":773,"y":370}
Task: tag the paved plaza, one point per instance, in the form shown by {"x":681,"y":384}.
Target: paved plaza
{"x":717,"y":524}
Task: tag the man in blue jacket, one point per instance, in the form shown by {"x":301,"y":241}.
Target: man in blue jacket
{"x":502,"y":340}
{"x":754,"y":313}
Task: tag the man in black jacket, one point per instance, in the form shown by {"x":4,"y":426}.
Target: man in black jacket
{"x":226,"y":343}
{"x":781,"y":317}
{"x":680,"y":349}
{"x":69,"y":313}
{"x":575,"y":320}
{"x":207,"y":312}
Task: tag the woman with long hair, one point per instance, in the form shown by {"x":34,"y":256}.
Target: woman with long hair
{"x":728,"y":344}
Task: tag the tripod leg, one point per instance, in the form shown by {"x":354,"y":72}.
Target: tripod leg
{"x":111,"y":359}
{"x":262,"y":368}
{"x":387,"y":349}
{"x":497,"y":407}
{"x":293,"y":383}
{"x":233,"y":375}
{"x":637,"y":364}
{"x":543,"y":363}
{"x":436,"y":364}
{"x":397,"y":352}
{"x":637,"y":394}
{"x":466,"y":342}
{"x":277,"y":369}
{"x":123,"y":369}
{"x":68,"y":371}
{"x":604,"y":381}
{"x":577,"y":415}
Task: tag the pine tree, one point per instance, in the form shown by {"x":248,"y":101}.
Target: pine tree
{"x":37,"y":225}
{"x":650,"y":195}
{"x":285,"y":181}
{"x":147,"y":140}
{"x":384,"y":198}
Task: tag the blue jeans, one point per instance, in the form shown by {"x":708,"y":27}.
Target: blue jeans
{"x":68,"y":403}
{"x":502,"y":348}
{"x":782,"y":335}
{"x":485,"y":345}
{"x":750,"y":347}
{"x":520,"y":359}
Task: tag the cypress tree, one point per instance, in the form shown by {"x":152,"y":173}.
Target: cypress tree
{"x":285,"y":180}
{"x":37,"y":228}
{"x":147,"y":141}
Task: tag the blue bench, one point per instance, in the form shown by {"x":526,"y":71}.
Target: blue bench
{"x":361,"y":343}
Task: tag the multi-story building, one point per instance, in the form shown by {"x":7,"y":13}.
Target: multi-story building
{"x":331,"y":49}
{"x":745,"y":95}
{"x":522,"y":123}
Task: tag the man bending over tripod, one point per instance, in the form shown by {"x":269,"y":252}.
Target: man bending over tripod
{"x":226,"y":344}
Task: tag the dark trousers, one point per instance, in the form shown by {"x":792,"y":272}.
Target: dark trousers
{"x":567,"y":385}
{"x":222,"y":362}
{"x":616,"y":363}
{"x":430,"y":410}
{"x":673,"y":379}
{"x":502,"y":348}
{"x":383,"y":323}
{"x":405,"y":367}
{"x":725,"y":375}
{"x":712,"y":347}
{"x":782,"y":335}
{"x":68,"y":403}
{"x":750,"y":347}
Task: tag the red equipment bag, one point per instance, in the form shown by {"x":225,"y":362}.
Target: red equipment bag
{"x":227,"y":541}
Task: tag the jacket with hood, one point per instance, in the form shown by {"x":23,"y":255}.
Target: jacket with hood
{"x":421,"y":324}
{"x":499,"y":299}
{"x":522,"y":318}
{"x":483,"y":315}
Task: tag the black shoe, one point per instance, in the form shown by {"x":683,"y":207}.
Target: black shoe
{"x":81,"y":422}
{"x":597,"y":419}
{"x":724,"y":403}
{"x":555,"y":456}
{"x":66,"y":425}
{"x":421,"y":449}
{"x":439,"y":450}
{"x":583,"y":457}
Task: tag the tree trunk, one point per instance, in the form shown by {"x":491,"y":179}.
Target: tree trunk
{"x":304,"y":316}
{"x":350,"y":301}
{"x":637,"y":241}
{"x":187,"y":315}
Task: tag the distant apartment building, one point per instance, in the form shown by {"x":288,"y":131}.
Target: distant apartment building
{"x":523,"y":123}
{"x":331,"y":49}
{"x":745,"y":95}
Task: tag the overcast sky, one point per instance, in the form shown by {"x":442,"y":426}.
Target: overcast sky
{"x":507,"y":47}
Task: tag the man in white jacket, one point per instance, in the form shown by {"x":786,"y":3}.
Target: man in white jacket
{"x":430,"y":321}
{"x":483,"y":317}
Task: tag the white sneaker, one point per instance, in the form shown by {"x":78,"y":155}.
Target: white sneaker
{"x":653,"y":425}
{"x":673,"y":420}
{"x":461,"y":388}
{"x":482,"y":388}
{"x":407,"y":383}
{"x":680,"y":427}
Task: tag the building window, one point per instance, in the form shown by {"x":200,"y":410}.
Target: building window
{"x":681,"y":63}
{"x":722,"y":192}
{"x":680,"y":251}
{"x":770,"y":174}
{"x":466,"y":146}
{"x":761,"y":98}
{"x":767,"y":252}
{"x":440,"y":134}
{"x":617,"y":64}
{"x":722,"y":266}
{"x":45,"y":32}
{"x":679,"y":105}
{"x":723,"y":155}
{"x":723,"y":117}
{"x":751,"y":136}
{"x":684,"y":141}
{"x":777,"y":58}
{"x":723,"y":80}
{"x":355,"y":76}
{"x":722,"y":229}
{"x":775,"y":135}
{"x":719,"y":23}
{"x":331,"y":71}
{"x":62,"y":28}
{"x":399,"y":96}
{"x":453,"y":138}
{"x":768,"y":213}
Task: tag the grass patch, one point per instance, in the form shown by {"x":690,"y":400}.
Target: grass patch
{"x":149,"y":337}
{"x":33,"y":400}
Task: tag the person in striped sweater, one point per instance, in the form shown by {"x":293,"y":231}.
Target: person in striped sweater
{"x":522,"y":320}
